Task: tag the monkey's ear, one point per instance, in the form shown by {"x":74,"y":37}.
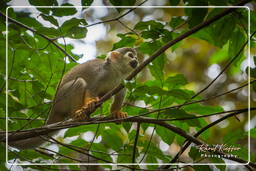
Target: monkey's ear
{"x":114,"y":54}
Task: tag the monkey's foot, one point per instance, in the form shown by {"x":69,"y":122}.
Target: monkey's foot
{"x":88,"y":108}
{"x":119,"y":115}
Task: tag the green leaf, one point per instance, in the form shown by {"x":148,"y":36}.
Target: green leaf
{"x":175,"y":81}
{"x":174,"y":2}
{"x":43,"y":3}
{"x":151,"y":159}
{"x":220,"y":55}
{"x":179,"y":113}
{"x":108,"y":135}
{"x":60,"y":12}
{"x":202,"y":168}
{"x":253,"y":133}
{"x":219,"y":32}
{"x":194,"y":153}
{"x":122,"y":3}
{"x":180,"y":94}
{"x":127,"y":126}
{"x":50,"y":32}
{"x":195,"y":15}
{"x":86,"y":2}
{"x":237,"y":41}
{"x":126,"y":41}
{"x":176,"y":21}
{"x":151,"y":29}
{"x":97,"y":150}
{"x":165,"y":134}
{"x":74,"y":22}
{"x":151,"y":34}
{"x":74,"y":28}
{"x":51,"y":19}
{"x":233,"y":136}
{"x":202,"y":109}
{"x":217,"y":160}
{"x":166,"y":36}
{"x":148,"y":25}
{"x":151,"y":90}
{"x":124,"y":156}
{"x":156,"y":67}
{"x":79,"y":142}
{"x":31,"y":22}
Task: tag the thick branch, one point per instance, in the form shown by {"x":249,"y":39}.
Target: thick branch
{"x":24,"y":134}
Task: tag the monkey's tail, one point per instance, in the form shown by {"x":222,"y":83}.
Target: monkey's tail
{"x":34,"y":142}
{"x":29,"y":143}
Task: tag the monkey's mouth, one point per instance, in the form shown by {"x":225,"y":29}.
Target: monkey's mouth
{"x":133,"y":63}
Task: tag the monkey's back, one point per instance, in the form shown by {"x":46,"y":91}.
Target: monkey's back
{"x":85,"y":70}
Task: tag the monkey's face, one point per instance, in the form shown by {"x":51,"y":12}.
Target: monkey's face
{"x":126,"y":58}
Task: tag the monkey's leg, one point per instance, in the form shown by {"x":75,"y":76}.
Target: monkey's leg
{"x":89,"y":103}
{"x":68,"y":99}
{"x":117,"y":105}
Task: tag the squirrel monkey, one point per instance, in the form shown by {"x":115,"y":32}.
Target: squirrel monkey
{"x":83,"y":86}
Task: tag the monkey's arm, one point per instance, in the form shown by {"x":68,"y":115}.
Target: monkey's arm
{"x":117,"y":105}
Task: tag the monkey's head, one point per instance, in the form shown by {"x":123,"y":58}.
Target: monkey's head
{"x":124,"y":59}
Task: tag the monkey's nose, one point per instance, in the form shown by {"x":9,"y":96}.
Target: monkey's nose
{"x":134,"y":63}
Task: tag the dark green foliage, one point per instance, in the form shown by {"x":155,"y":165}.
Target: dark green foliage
{"x":74,"y":28}
{"x":122,"y":3}
{"x":69,"y":10}
{"x":127,"y":40}
{"x":86,"y":2}
{"x":174,"y":2}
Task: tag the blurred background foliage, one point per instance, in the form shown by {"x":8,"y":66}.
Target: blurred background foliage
{"x":35,"y":66}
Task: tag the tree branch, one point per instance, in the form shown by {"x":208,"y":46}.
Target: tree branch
{"x":40,"y":34}
{"x":117,"y":18}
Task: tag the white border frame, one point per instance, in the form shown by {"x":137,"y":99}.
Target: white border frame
{"x":131,"y":164}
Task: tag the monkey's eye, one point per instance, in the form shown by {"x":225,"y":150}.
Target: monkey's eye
{"x":130,"y":55}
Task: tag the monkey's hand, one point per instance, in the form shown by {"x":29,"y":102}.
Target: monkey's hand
{"x":89,"y":107}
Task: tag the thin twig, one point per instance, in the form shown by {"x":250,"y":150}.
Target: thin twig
{"x":62,"y":155}
{"x":128,"y":27}
{"x":117,"y":18}
{"x":196,"y":101}
{"x":224,"y":69}
{"x":40,"y":34}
